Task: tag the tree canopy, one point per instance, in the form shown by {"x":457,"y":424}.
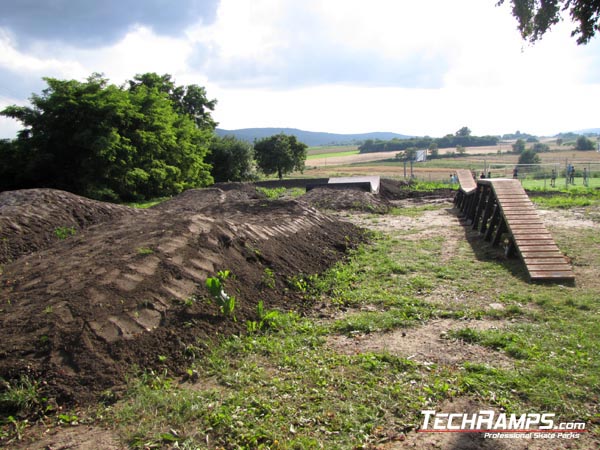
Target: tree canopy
{"x":148,"y":138}
{"x":536,"y":17}
{"x":529,"y":156}
{"x":583,"y":143}
{"x":231,"y":159}
{"x":280,"y":154}
{"x":462,"y":137}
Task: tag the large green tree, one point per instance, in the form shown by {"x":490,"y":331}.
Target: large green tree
{"x":536,"y":17}
{"x":109,"y":142}
{"x":231,"y":159}
{"x":280,"y":154}
{"x":583,"y":143}
{"x":529,"y":156}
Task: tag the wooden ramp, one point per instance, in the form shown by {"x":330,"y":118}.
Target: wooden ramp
{"x":465,"y":194}
{"x":500,"y":207}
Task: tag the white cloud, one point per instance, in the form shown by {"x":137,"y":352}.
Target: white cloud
{"x":14,"y":60}
{"x":427,"y":67}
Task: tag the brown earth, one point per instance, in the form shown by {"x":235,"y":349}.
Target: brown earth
{"x":361,"y":201}
{"x":127,"y":290}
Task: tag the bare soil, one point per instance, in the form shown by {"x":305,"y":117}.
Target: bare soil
{"x":127,"y":290}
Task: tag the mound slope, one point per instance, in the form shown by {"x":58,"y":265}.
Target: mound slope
{"x":129,"y":291}
{"x":29,"y":218}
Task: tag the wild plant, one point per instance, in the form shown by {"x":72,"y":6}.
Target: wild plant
{"x":266,"y":319}
{"x":64,"y":232}
{"x":215,"y":285}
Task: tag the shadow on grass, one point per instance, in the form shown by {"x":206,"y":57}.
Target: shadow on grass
{"x":484,"y":251}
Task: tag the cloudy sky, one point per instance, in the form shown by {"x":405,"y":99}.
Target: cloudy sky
{"x":343,"y":66}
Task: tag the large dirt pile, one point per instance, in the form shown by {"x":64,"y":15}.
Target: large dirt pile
{"x":128,"y":289}
{"x":347,"y":199}
{"x":31,"y":219}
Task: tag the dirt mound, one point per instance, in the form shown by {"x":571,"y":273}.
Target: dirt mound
{"x":399,"y":190}
{"x":129,"y":292}
{"x":346,"y":199}
{"x":34,"y":219}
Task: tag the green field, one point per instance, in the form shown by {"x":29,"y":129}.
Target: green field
{"x":332,"y":149}
{"x":333,"y":154}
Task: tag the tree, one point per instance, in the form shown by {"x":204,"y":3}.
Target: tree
{"x":529,"y":156}
{"x":460,"y":150}
{"x":280,"y":154}
{"x":584,"y":143}
{"x":538,"y":147}
{"x":231,"y":159}
{"x":108,"y":142}
{"x":407,"y":155}
{"x":434,"y":150}
{"x":536,"y":17}
{"x":464,"y":132}
{"x":188,"y":100}
{"x":519,"y":146}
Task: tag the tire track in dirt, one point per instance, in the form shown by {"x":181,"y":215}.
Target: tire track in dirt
{"x":83,"y":311}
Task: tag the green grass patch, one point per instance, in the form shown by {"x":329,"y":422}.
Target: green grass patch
{"x":331,"y":149}
{"x":332,"y":155}
{"x":63,"y":233}
{"x":280,"y":192}
{"x":282,"y":389}
{"x":566,"y":198}
{"x":147,"y":203}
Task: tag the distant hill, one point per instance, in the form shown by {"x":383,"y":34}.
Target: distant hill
{"x":310,"y":138}
{"x":588,"y":131}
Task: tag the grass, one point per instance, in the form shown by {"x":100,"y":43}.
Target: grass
{"x":280,"y":192}
{"x":332,"y":150}
{"x":147,"y":203}
{"x":332,"y":155}
{"x":63,"y":233}
{"x":577,"y":196}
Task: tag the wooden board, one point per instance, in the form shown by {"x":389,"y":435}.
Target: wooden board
{"x":533,"y":241}
{"x":466,"y":180}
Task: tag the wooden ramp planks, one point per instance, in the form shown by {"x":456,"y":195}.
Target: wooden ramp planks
{"x":466,"y":181}
{"x":499,"y":206}
{"x":465,"y":195}
{"x":533,"y":242}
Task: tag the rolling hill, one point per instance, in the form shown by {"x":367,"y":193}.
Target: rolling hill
{"x":310,"y":138}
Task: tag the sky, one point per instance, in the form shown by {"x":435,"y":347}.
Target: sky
{"x":341,"y":66}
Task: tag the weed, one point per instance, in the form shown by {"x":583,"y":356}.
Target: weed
{"x":148,"y":203}
{"x":68,"y":419}
{"x":266,"y":319}
{"x":268,"y":278}
{"x":63,"y":233}
{"x":225,"y":302}
{"x":144,"y":251}
{"x":272,"y":193}
{"x":22,"y":397}
{"x":18,"y":427}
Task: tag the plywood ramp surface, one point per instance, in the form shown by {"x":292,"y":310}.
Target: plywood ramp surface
{"x":533,"y":242}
